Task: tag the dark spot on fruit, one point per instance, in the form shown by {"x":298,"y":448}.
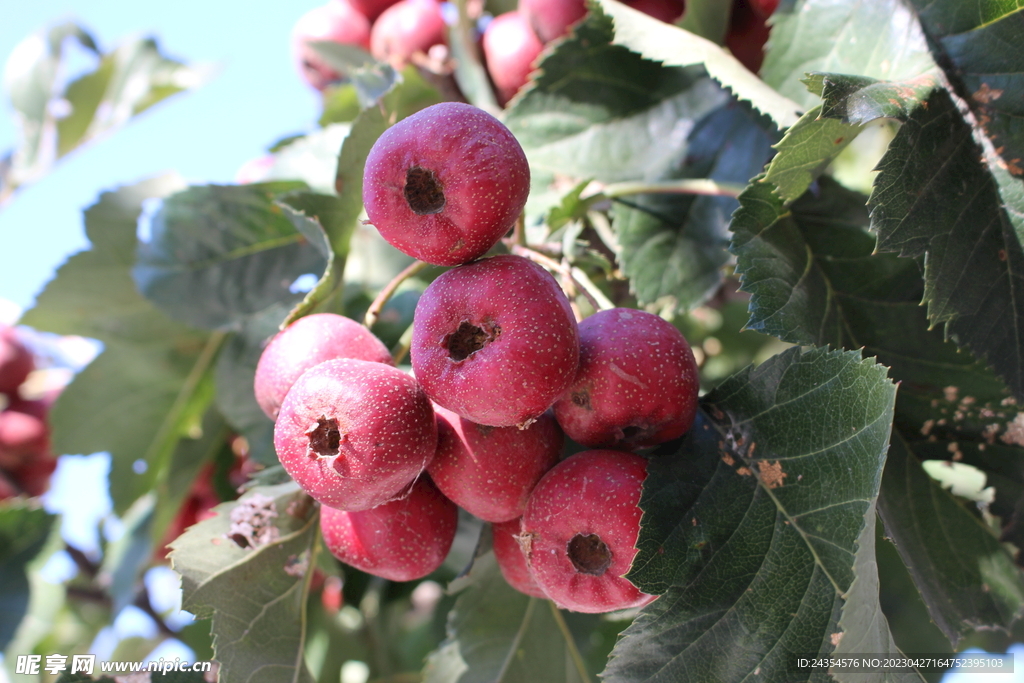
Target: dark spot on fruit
{"x":468,"y":339}
{"x":325,"y":437}
{"x":581,"y":399}
{"x":589,"y":554}
{"x":631,"y":432}
{"x":423,"y":191}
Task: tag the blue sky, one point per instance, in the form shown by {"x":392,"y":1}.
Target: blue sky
{"x":255,"y":98}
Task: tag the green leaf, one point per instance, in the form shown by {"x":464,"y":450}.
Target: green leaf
{"x":498,"y":635}
{"x":967,"y":579}
{"x":599,"y":111}
{"x":311,"y":158}
{"x":989,"y":79}
{"x":933,"y":196}
{"x":707,"y":19}
{"x":751,"y":527}
{"x":256,"y":596}
{"x":674,"y":244}
{"x":808,"y":147}
{"x":672,"y":46}
{"x":105,"y":99}
{"x":470,"y":74}
{"x":880,"y":39}
{"x":815,"y":280}
{"x":24,"y":530}
{"x":234,"y":376}
{"x":125,"y":559}
{"x":220,"y":253}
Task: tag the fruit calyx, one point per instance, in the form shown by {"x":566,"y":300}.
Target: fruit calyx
{"x":589,"y":554}
{"x":324,"y":438}
{"x":468,"y":339}
{"x":423,"y":191}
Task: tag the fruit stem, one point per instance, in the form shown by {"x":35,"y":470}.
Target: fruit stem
{"x":703,"y":186}
{"x":519,"y":232}
{"x":594,"y":296}
{"x":373,"y":312}
{"x":402,"y":347}
{"x":574,"y":653}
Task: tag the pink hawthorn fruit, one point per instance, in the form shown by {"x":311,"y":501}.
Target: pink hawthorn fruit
{"x":551,"y":19}
{"x":22,"y":437}
{"x":401,"y":540}
{"x":16,"y":361}
{"x":336,"y":21}
{"x":510,"y":48}
{"x":580,"y":529}
{"x":668,"y":11}
{"x":495,"y":341}
{"x":511,"y":560}
{"x":445,"y":184}
{"x":405,"y":28}
{"x":748,"y":32}
{"x":636,"y":385}
{"x":307,"y":342}
{"x":355,"y":434}
{"x":490,"y":471}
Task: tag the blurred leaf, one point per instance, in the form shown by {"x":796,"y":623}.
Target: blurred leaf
{"x":707,"y":19}
{"x":674,"y":244}
{"x":881,"y":39}
{"x":370,"y":79}
{"x":967,"y":579}
{"x":234,"y":375}
{"x":470,"y":74}
{"x":220,"y":253}
{"x":148,"y":387}
{"x":311,"y":158}
{"x":599,"y":111}
{"x":751,"y":526}
{"x":24,"y":530}
{"x":125,"y":559}
{"x":255,"y":596}
{"x":671,"y":46}
{"x":498,"y":635}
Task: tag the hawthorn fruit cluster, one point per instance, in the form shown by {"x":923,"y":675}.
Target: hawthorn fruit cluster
{"x":26,"y":460}
{"x":502,"y":372}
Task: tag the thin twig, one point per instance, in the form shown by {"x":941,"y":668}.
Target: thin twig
{"x":702,"y":186}
{"x":373,"y":312}
{"x":562,"y":269}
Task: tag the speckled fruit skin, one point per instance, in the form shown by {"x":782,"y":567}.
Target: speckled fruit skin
{"x":530,"y":344}
{"x":405,"y":28}
{"x":307,"y":342}
{"x":510,"y":48}
{"x":590,"y":494}
{"x":336,"y":21}
{"x":402,"y":540}
{"x":637,"y":382}
{"x":383,"y":434}
{"x":511,"y":560}
{"x":478,"y":166}
{"x":490,"y":471}
{"x":551,"y":19}
{"x":16,"y":361}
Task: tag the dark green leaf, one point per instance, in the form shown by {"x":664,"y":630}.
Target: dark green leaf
{"x":881,"y":39}
{"x":599,"y":111}
{"x":981,"y":48}
{"x":498,"y":635}
{"x":674,"y":244}
{"x":965,"y":576}
{"x":24,"y":530}
{"x":860,"y":100}
{"x":220,"y":253}
{"x":235,"y":373}
{"x":808,"y":147}
{"x":661,"y":42}
{"x":751,"y":528}
{"x":933,"y":196}
{"x":255,"y":595}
